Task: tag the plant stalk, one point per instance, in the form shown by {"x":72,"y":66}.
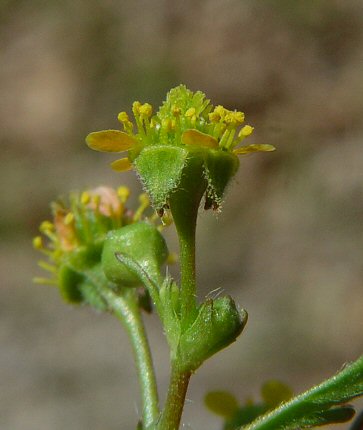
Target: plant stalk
{"x":125,"y":307}
{"x":178,"y":386}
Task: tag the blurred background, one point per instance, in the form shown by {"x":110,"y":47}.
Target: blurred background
{"x":288,"y":244}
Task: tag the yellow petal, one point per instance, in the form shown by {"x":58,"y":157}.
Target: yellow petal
{"x":195,"y":137}
{"x":121,"y":165}
{"x":243,"y":150}
{"x":110,"y":141}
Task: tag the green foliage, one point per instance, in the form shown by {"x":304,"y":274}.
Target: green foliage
{"x":217,"y":323}
{"x":245,"y":415}
{"x":95,"y":248}
{"x":323,"y":404}
{"x":273,"y":393}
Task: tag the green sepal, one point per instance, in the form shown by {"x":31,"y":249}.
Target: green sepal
{"x":163,"y":168}
{"x":69,"y":281}
{"x":220,"y":167}
{"x":86,"y":256}
{"x":217,"y":325}
{"x":160,"y":169}
{"x":140,"y":241}
{"x":77,"y":287}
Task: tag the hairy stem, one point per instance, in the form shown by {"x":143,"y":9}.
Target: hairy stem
{"x":129,"y":314}
{"x":170,"y":419}
{"x":125,"y":307}
{"x":188,"y":280}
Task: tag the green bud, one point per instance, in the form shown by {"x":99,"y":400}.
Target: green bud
{"x":140,"y":241}
{"x":217,"y":325}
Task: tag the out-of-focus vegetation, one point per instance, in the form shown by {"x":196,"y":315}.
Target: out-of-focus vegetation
{"x":288,"y":245}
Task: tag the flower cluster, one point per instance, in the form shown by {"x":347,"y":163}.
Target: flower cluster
{"x":72,"y":242}
{"x":161,"y":147}
{"x":185,"y":118}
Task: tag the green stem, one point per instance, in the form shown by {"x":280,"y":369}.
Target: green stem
{"x":129,"y":314}
{"x":188,"y":279}
{"x":170,"y":419}
{"x":184,"y":204}
{"x":125,"y":307}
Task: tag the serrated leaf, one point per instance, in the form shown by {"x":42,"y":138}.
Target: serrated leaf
{"x":316,"y":406}
{"x":221,"y":403}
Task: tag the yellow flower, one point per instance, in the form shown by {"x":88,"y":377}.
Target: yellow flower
{"x":185,"y":119}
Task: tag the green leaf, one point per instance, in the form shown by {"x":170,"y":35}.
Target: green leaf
{"x":340,"y":414}
{"x":245,"y":415}
{"x":318,"y":406}
{"x":221,"y":403}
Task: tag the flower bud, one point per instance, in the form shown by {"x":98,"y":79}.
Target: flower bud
{"x":217,"y":325}
{"x":140,"y":241}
